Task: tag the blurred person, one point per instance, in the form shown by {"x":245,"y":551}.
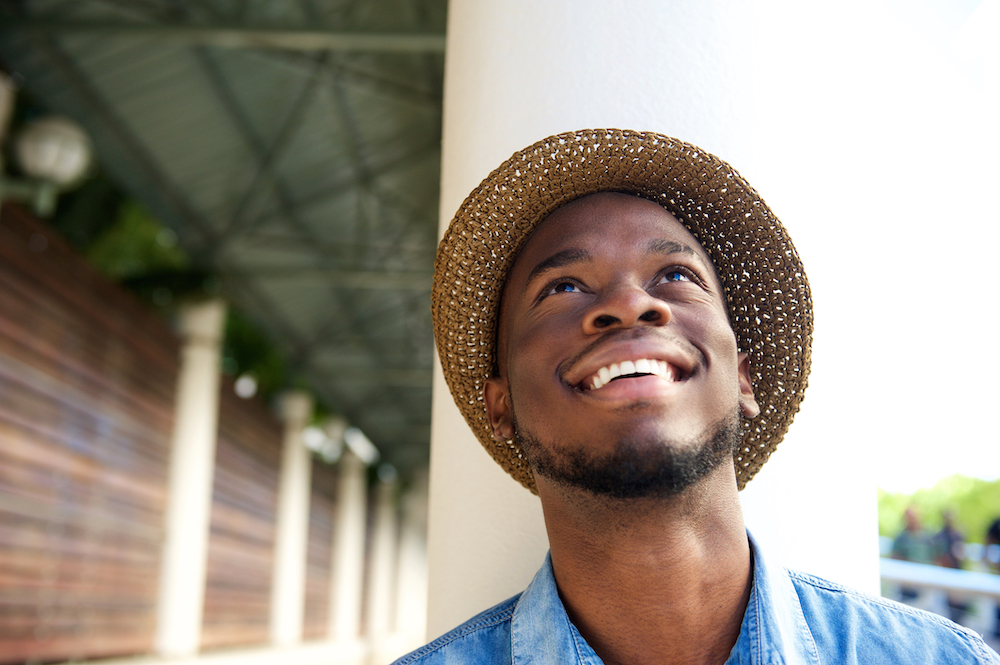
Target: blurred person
{"x":626,"y":327}
{"x":913,"y":543}
{"x":993,"y":546}
{"x":993,"y":561}
{"x":949,"y":552}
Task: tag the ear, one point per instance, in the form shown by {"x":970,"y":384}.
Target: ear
{"x":496,"y":398}
{"x":748,"y":404}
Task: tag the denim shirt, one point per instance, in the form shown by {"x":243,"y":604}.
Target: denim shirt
{"x":791,"y":619}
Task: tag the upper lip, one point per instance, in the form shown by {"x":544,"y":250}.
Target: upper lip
{"x":578,"y":371}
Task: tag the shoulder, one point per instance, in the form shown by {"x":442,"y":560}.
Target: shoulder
{"x":483,"y":639}
{"x":858,"y":627}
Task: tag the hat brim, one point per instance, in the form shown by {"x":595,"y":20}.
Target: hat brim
{"x":770,"y":305}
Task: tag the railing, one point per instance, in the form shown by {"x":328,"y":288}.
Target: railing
{"x":968,"y":597}
{"x":923,"y":576}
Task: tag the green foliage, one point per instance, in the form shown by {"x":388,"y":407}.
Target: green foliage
{"x":87,"y":212}
{"x":122,"y":240}
{"x":247,"y":350}
{"x":974,"y":502}
{"x":142,"y":254}
{"x":136,"y":244}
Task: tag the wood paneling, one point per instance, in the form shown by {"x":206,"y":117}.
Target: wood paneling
{"x":241,"y":543}
{"x":87,"y":379}
{"x":321,"y":517}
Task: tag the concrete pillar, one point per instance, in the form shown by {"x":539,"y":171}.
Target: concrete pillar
{"x":411,"y":585}
{"x":288,"y":590}
{"x":382,"y":574}
{"x":348,"y":550}
{"x":520,"y":70}
{"x":189,"y":483}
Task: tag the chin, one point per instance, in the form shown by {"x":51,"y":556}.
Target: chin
{"x":638,"y":466}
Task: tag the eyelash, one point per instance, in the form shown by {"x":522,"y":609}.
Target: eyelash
{"x":685,"y":273}
{"x":550,"y":288}
{"x":679,"y":270}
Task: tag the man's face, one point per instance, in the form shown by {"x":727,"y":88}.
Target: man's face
{"x":618,"y":368}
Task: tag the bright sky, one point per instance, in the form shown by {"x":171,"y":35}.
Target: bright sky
{"x":898,"y":226}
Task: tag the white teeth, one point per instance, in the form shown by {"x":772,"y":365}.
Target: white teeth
{"x":605,"y":375}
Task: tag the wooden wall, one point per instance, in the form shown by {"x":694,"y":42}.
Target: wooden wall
{"x":318,"y":570}
{"x":87,"y":379}
{"x":241,"y":542}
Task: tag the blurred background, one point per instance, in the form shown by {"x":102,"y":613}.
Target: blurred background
{"x":217,"y":236}
{"x":248,"y":188}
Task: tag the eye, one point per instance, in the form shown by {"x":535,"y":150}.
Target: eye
{"x":674,"y":276}
{"x":562,"y":287}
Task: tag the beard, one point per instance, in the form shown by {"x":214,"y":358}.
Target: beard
{"x":635,"y":469}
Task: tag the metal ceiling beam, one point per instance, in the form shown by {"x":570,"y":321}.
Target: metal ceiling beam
{"x":172,"y":195}
{"x":405,"y":92}
{"x":413,"y":253}
{"x":325,"y":196}
{"x":266,"y":155}
{"x":397,"y":378}
{"x":338,"y":279}
{"x":239,"y":36}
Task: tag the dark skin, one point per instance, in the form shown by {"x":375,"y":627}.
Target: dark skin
{"x":605,"y":281}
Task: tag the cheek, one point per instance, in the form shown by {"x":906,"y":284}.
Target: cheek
{"x":537,"y":348}
{"x":718,"y":342}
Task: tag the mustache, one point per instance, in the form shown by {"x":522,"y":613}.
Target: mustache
{"x":629,"y":334}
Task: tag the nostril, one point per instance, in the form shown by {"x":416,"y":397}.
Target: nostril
{"x":650,"y":316}
{"x":605,"y":320}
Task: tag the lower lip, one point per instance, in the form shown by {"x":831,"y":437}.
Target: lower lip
{"x":637,"y":388}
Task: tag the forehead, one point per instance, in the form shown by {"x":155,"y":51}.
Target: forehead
{"x":604,"y":219}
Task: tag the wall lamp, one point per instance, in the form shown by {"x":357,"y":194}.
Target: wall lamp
{"x":53,"y":152}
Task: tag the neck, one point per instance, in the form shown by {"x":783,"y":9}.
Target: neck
{"x":652,"y":580}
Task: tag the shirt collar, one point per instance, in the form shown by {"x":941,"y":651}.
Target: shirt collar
{"x":541,"y":632}
{"x":773,"y":631}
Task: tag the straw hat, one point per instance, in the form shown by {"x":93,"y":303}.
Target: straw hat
{"x":770,"y":305}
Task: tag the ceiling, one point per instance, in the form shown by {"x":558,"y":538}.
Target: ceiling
{"x":294,"y":147}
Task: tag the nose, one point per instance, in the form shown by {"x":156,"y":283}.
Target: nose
{"x":625,"y":307}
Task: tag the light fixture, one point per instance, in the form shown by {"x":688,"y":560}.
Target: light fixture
{"x":54,"y":149}
{"x":54,"y":152}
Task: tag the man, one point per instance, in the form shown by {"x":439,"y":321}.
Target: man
{"x":993,"y":561}
{"x":627,"y":329}
{"x":914,"y":544}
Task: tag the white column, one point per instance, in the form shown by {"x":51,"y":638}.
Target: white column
{"x":348,"y":550}
{"x":411,"y":585}
{"x":382,"y":577}
{"x":189,"y":483}
{"x":520,"y":70}
{"x":288,"y":590}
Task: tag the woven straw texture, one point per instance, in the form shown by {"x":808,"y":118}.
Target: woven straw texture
{"x":770,"y":305}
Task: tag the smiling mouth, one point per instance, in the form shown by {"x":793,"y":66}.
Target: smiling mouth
{"x":631,"y":369}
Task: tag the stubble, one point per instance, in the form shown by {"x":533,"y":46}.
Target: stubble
{"x":634,"y":469}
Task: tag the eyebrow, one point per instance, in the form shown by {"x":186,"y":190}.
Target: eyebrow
{"x":562,"y":258}
{"x":670,"y":247}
